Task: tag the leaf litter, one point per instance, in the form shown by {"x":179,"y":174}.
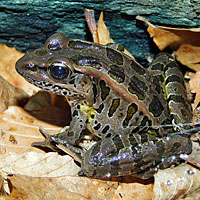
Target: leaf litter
{"x":35,"y":174}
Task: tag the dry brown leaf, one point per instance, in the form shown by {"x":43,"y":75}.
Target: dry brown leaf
{"x":176,"y":182}
{"x":90,"y":19}
{"x":75,"y":188}
{"x":19,"y":129}
{"x":104,"y":34}
{"x":195,"y":87}
{"x":186,"y":42}
{"x":136,"y":191}
{"x":10,"y":95}
{"x":189,"y":55}
{"x":101,"y":34}
{"x":38,"y":164}
{"x":172,"y":37}
{"x":8,"y":58}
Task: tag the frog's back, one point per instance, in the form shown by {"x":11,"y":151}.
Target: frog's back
{"x":124,"y":93}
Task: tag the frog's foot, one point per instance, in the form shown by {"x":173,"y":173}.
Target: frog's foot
{"x":58,"y":142}
{"x":81,"y":173}
{"x":50,"y":140}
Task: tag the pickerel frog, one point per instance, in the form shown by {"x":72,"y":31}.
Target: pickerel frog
{"x":134,"y":112}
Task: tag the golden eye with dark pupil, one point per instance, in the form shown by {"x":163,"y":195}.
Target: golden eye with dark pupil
{"x":58,"y":71}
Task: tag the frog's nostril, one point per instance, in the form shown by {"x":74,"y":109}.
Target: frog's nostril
{"x":31,"y":66}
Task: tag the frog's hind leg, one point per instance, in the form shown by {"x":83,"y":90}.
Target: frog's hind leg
{"x":124,"y":155}
{"x":173,"y":88}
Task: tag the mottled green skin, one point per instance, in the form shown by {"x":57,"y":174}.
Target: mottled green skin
{"x":117,"y":100}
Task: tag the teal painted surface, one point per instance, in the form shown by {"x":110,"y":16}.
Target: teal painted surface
{"x":26,"y":24}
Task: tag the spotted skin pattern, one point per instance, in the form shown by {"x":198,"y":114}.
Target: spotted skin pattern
{"x":119,"y":101}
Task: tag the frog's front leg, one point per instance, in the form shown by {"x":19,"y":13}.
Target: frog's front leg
{"x":125,"y":155}
{"x":69,"y":138}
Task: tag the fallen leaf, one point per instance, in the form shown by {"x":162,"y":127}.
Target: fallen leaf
{"x":19,"y":129}
{"x":74,"y":188}
{"x":90,"y":19}
{"x":195,"y":87}
{"x":189,"y":55}
{"x":186,"y":42}
{"x":38,"y":164}
{"x":101,"y":34}
{"x":136,"y":191}
{"x":10,"y":95}
{"x":176,"y":182}
{"x":8,"y":58}
{"x":172,"y":37}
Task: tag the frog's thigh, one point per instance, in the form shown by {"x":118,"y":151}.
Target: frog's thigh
{"x":111,"y":158}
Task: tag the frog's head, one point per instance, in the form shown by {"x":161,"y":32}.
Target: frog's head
{"x":53,"y":69}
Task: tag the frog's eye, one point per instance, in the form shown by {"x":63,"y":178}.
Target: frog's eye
{"x":59,"y":70}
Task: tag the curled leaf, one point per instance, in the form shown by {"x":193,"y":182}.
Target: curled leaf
{"x":8,"y":58}
{"x":176,"y":182}
{"x":195,"y":87}
{"x":189,"y":55}
{"x":186,"y":42}
{"x":172,"y":37}
{"x":101,"y":34}
{"x":10,"y":95}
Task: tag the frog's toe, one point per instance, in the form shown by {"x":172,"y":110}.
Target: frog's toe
{"x":44,"y":132}
{"x":49,"y":141}
{"x":81,"y":173}
{"x":64,"y":129}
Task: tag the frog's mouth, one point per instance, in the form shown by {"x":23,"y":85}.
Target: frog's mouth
{"x":52,"y":88}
